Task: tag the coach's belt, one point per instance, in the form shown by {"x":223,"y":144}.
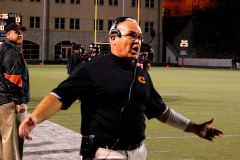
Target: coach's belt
{"x":125,"y":147}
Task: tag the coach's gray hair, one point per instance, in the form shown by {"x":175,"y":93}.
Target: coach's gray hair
{"x":113,"y":25}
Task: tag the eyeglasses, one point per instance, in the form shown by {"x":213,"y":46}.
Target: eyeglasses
{"x":133,"y":36}
{"x":19,"y":32}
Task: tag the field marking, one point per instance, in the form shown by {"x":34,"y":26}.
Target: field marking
{"x":73,"y":115}
{"x":158,"y":151}
{"x":52,"y":77}
{"x":187,"y":137}
{"x":212,"y":113}
{"x":63,"y":119}
{"x":70,"y":123}
{"x":170,"y":137}
{"x":166,"y":93}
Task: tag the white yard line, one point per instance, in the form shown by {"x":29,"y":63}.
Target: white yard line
{"x":187,"y":137}
{"x":213,"y":113}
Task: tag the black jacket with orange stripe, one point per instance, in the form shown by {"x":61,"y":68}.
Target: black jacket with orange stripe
{"x":14,"y":79}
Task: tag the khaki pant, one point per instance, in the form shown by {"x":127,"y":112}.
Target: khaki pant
{"x":137,"y":154}
{"x":11,"y":145}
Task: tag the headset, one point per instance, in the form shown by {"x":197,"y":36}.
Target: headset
{"x":116,"y":31}
{"x":117,"y":21}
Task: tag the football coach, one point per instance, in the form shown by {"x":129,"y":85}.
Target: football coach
{"x":116,"y":95}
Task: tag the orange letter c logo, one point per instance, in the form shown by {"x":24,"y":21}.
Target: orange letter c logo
{"x":141,"y":79}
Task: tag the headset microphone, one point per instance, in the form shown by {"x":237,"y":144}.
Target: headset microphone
{"x":132,"y":42}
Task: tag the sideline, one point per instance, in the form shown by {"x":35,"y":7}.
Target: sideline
{"x":52,"y":142}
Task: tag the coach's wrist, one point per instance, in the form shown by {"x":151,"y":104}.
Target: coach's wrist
{"x":192,"y":128}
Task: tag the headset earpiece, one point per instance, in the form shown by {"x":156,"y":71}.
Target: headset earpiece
{"x":116,"y":31}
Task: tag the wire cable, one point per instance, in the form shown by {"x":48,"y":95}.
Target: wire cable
{"x":129,"y":96}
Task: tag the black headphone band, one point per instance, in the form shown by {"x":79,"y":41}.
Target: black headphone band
{"x":116,"y":22}
{"x":119,"y":20}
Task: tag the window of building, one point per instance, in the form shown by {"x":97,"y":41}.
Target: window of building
{"x":34,"y":22}
{"x":75,"y":24}
{"x":30,"y":50}
{"x":99,"y":25}
{"x":149,"y":4}
{"x":113,"y":2}
{"x":75,"y":1}
{"x":99,"y":2}
{"x":110,"y":23}
{"x":177,"y":10}
{"x":59,"y":1}
{"x":135,"y":3}
{"x":148,"y":26}
{"x":59,"y":23}
{"x":64,"y":48}
{"x":35,"y":0}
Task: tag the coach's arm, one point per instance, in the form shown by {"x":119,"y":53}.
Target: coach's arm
{"x":47,"y":108}
{"x":204,"y":130}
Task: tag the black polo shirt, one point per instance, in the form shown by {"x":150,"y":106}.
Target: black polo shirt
{"x":104,"y":85}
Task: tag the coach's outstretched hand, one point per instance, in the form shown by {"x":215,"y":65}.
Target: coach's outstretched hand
{"x":206,"y":131}
{"x":26,"y":127}
{"x":46,"y":108}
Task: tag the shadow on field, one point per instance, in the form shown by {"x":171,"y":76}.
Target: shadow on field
{"x":35,"y":153}
{"x":37,"y":144}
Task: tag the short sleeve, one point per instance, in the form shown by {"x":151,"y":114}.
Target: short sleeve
{"x":75,"y":86}
{"x":155,"y":106}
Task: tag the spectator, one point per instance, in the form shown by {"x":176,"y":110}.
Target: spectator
{"x":237,"y":63}
{"x":169,"y":12}
{"x":176,"y":61}
{"x":60,"y":58}
{"x":233,"y":63}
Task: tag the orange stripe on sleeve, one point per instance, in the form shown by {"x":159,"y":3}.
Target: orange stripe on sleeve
{"x":15,"y":79}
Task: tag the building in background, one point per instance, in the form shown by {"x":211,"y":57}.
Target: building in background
{"x":180,"y":8}
{"x":69,"y":22}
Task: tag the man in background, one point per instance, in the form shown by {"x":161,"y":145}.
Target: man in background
{"x":75,"y":58}
{"x":237,"y":63}
{"x":14,"y":93}
{"x":84,"y":56}
{"x":94,"y":51}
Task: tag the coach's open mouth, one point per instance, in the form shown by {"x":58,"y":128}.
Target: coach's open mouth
{"x":135,"y":49}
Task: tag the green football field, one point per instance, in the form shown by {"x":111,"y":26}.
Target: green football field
{"x":198,"y":94}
